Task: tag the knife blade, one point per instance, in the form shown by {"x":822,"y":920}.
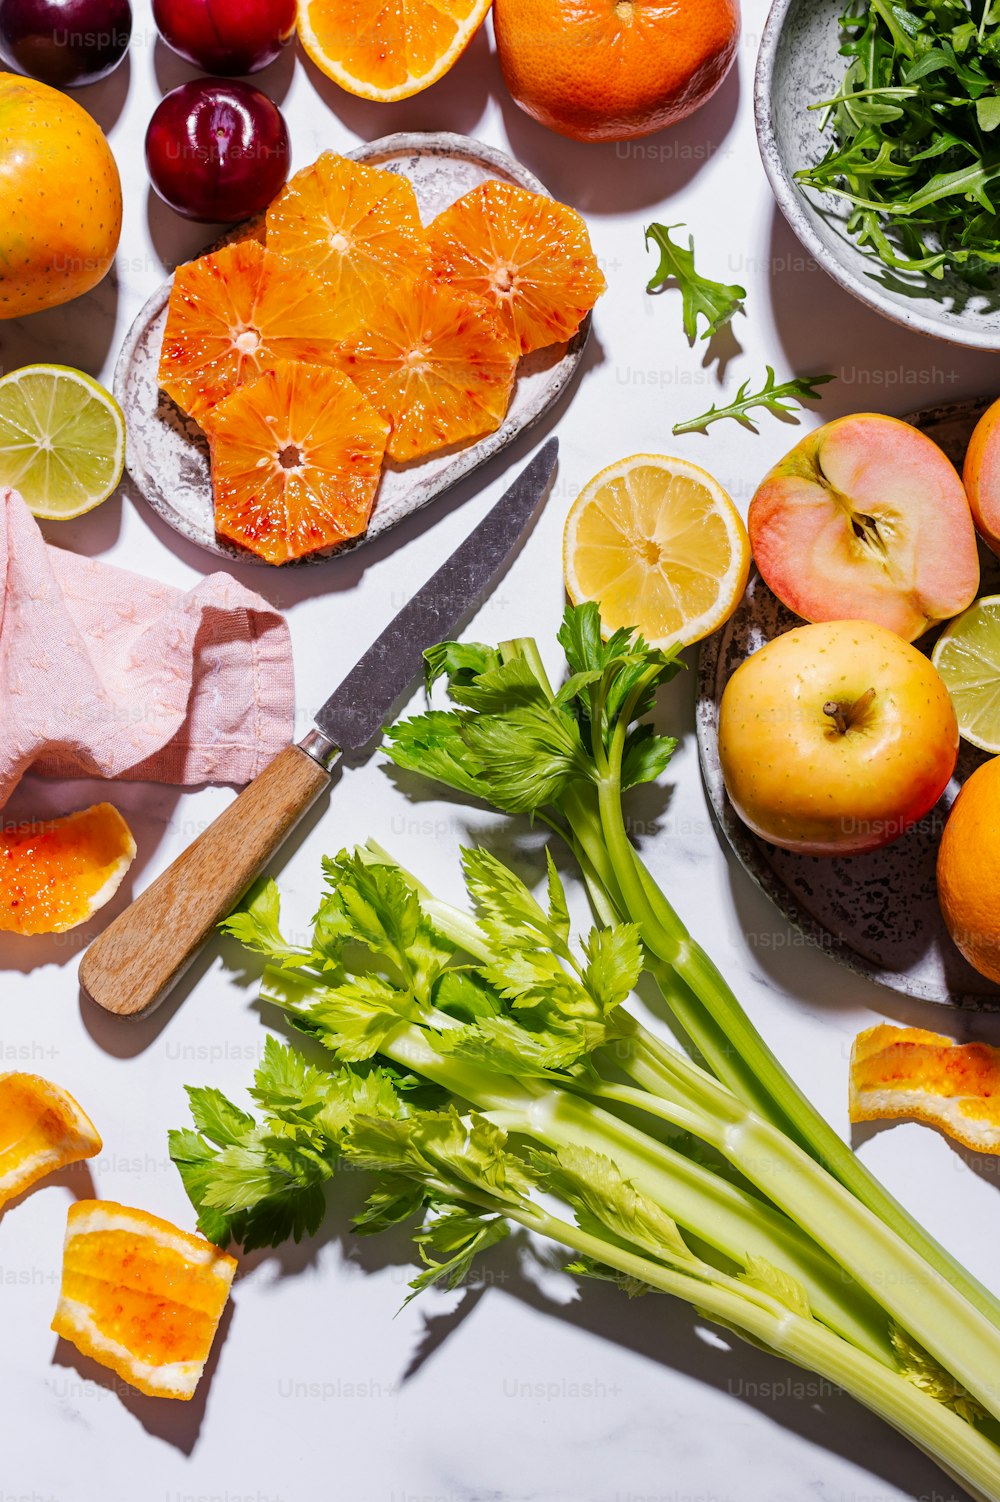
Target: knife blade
{"x":136,"y":962}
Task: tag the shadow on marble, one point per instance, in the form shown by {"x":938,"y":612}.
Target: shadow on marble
{"x":457,"y":102}
{"x":171,"y":71}
{"x":176,"y":1423}
{"x":613,"y":177}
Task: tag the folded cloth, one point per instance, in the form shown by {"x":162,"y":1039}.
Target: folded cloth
{"x":106,"y":674}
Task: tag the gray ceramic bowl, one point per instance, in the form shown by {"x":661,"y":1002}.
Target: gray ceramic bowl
{"x":799,"y":64}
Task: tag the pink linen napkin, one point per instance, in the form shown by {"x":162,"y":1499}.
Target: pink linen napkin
{"x":106,"y":674}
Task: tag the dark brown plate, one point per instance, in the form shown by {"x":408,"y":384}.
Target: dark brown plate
{"x":877,"y":913}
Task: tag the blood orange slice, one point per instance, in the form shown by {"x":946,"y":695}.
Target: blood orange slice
{"x":42,"y":1129}
{"x":233,"y":314}
{"x":141,"y":1297}
{"x":54,"y":875}
{"x":358,"y":227}
{"x":528,"y":255}
{"x":388,"y":51}
{"x":296,"y":459}
{"x":439,"y":365}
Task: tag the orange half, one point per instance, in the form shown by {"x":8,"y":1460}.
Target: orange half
{"x":358,"y":227}
{"x":388,"y":49}
{"x":529,"y":256}
{"x":42,"y":1129}
{"x":909,"y":1072}
{"x":233,"y":314}
{"x":55,"y":875}
{"x":141,"y":1297}
{"x":296,"y":460}
{"x":438,"y":364}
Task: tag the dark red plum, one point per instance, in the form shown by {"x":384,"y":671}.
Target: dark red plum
{"x":218,"y":152}
{"x":226,"y":36}
{"x":65,"y":43}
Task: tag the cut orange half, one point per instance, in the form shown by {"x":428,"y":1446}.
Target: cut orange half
{"x":439,"y":366}
{"x":910,"y":1072}
{"x":42,"y":1129}
{"x":658,"y":544}
{"x":358,"y":227}
{"x":528,"y":255}
{"x":141,"y":1297}
{"x":388,"y":51}
{"x":233,"y":314}
{"x":296,"y":460}
{"x":56,"y":874}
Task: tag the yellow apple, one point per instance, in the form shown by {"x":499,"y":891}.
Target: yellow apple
{"x":836,"y":738}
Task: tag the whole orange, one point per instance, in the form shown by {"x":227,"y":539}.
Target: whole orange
{"x":608,"y":70}
{"x":968,"y":870}
{"x":61,"y":198}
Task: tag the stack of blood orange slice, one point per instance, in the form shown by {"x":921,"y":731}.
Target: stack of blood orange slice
{"x":355,"y":333}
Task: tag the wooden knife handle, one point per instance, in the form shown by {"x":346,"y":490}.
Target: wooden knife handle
{"x":134,"y":964}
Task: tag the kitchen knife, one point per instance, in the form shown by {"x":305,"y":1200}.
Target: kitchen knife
{"x":136,"y":962}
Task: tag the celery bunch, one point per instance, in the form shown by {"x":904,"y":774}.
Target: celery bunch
{"x":489,"y":1074}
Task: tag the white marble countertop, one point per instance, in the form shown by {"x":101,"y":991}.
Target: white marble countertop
{"x":521,"y":1387}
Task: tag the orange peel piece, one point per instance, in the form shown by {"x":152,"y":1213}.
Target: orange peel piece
{"x":56,"y":874}
{"x":42,"y":1129}
{"x":141,"y":1297}
{"x":908,"y":1072}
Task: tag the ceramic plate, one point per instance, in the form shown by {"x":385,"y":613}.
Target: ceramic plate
{"x":877,"y":913}
{"x":799,"y":64}
{"x":167,"y":452}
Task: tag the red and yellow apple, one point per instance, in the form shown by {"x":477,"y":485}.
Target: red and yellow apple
{"x":981,"y":474}
{"x":866,"y":519}
{"x":835,"y":738}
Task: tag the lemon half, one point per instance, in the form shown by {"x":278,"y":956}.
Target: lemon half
{"x":658,"y":544}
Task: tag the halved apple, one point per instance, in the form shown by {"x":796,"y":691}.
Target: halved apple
{"x":866,"y":519}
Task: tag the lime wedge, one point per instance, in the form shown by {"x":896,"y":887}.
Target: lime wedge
{"x":967,"y":655}
{"x":62,"y":440}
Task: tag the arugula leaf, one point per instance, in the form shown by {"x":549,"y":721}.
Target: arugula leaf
{"x":716,"y":302}
{"x":777,"y":398}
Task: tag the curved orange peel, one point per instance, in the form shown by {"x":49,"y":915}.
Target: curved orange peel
{"x":909,"y":1072}
{"x":55,"y":874}
{"x":141,"y":1297}
{"x":42,"y":1129}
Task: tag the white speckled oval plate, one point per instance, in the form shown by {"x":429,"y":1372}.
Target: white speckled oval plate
{"x":877,"y":913}
{"x":168,"y":454}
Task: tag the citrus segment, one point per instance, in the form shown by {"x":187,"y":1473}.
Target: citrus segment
{"x":530,"y":257}
{"x":233,"y":314}
{"x":141,"y":1297}
{"x":358,"y":227}
{"x":42,"y":1129}
{"x":296,"y":460}
{"x":62,"y":440}
{"x":388,"y":49}
{"x":439,"y":366}
{"x":909,"y":1072}
{"x":967,"y":655}
{"x":660,"y":546}
{"x":54,"y":875}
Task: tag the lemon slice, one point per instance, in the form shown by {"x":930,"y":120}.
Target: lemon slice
{"x":62,"y":440}
{"x":658,"y":544}
{"x":967,"y":655}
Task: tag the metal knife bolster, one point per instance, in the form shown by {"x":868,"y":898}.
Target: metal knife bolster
{"x":320,"y":748}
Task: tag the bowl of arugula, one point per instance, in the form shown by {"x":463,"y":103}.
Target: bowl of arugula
{"x":879,"y":130}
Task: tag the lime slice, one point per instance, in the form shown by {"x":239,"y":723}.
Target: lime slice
{"x":967,"y":655}
{"x":62,"y":440}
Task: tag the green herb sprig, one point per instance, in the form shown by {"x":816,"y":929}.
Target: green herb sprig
{"x":776,"y":397}
{"x":716,"y":302}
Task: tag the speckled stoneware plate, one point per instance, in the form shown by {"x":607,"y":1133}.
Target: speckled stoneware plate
{"x":167,"y":452}
{"x":798,"y":64}
{"x":877,"y":913}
